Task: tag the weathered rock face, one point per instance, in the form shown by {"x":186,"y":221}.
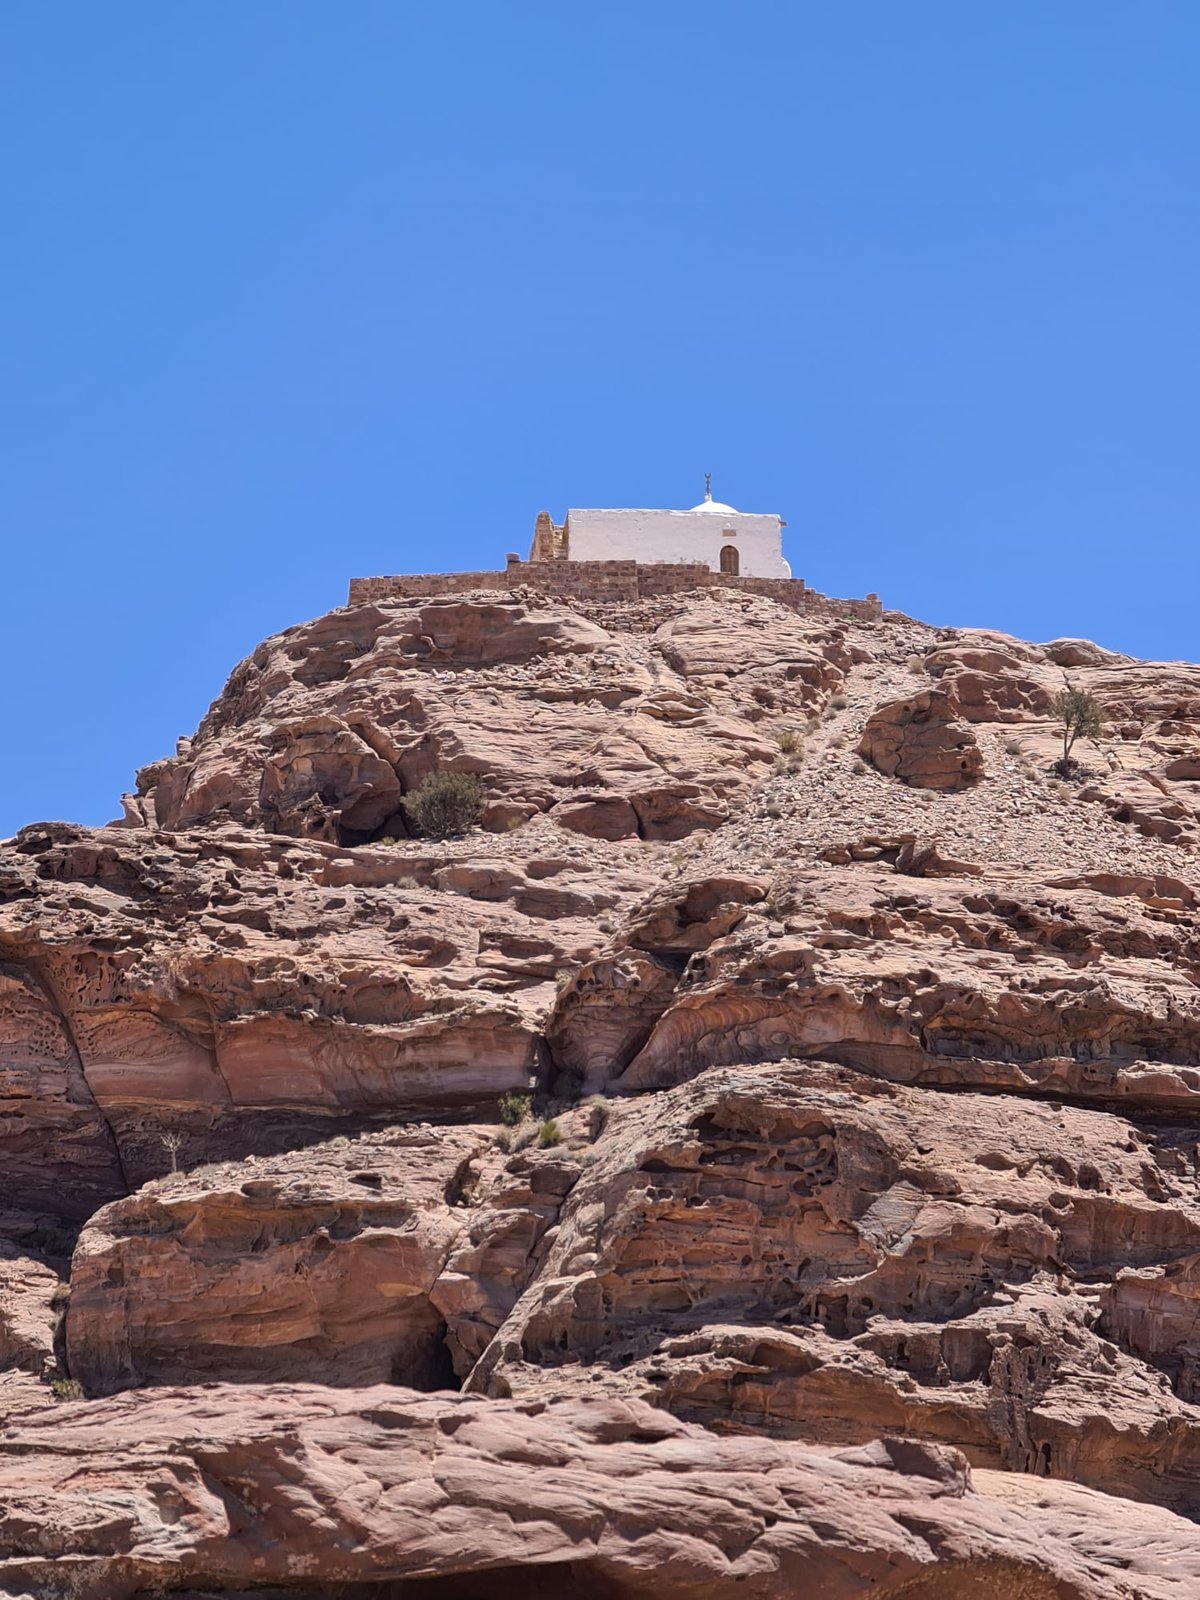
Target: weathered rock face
{"x":1080,"y":985}
{"x":652,"y":734}
{"x":919,"y":741}
{"x":800,"y":1251}
{"x":902,"y":1139}
{"x":250,"y":993}
{"x":319,"y":1493}
{"x":373,"y":1260}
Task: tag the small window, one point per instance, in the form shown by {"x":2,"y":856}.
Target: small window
{"x":729,"y":559}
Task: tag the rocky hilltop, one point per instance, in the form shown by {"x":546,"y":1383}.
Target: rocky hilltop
{"x":760,"y":1157}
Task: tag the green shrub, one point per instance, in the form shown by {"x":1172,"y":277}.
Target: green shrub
{"x":789,"y":740}
{"x":61,"y":1297}
{"x":445,"y":804}
{"x":549,"y":1133}
{"x":66,"y":1389}
{"x":514,"y":1108}
{"x":1080,"y":714}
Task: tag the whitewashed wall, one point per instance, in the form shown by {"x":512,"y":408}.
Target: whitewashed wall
{"x":679,"y":536}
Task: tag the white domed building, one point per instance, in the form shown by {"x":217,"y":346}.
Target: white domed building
{"x":740,"y":543}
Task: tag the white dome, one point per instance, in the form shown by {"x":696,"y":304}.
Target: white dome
{"x":717,"y":507}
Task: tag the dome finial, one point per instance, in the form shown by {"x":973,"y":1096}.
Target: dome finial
{"x":708,"y":485}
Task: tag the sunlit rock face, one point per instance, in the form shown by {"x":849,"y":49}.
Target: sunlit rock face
{"x":897,"y":1043}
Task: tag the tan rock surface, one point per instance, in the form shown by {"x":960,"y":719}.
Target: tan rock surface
{"x":252,"y":992}
{"x":308,"y":1489}
{"x":902,"y":1139}
{"x":919,"y":741}
{"x":321,"y":730}
{"x":799,"y":1250}
{"x":371,"y":1260}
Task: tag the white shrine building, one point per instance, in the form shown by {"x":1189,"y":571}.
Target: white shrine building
{"x":743,"y":543}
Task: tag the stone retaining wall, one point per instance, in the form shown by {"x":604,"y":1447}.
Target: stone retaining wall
{"x":609,"y":580}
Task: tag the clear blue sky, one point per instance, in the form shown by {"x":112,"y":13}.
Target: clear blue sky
{"x":293,"y":290}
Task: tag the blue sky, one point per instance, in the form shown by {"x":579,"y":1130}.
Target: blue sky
{"x":295,"y":291}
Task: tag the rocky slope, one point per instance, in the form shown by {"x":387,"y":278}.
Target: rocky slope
{"x":898,"y":1039}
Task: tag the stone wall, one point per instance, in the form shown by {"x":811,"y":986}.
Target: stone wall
{"x":608,"y":580}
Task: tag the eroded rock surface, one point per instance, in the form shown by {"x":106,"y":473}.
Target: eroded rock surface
{"x":311,"y":1489}
{"x":920,"y":741}
{"x":902,"y":1137}
{"x":379,"y":1259}
{"x":801,"y":1251}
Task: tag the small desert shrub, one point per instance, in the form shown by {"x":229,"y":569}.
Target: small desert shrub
{"x":387,"y":839}
{"x":859,"y":766}
{"x":1080,"y":714}
{"x":790,"y":742}
{"x":838,"y":702}
{"x":61,"y":1297}
{"x":514,"y":823}
{"x":445,"y":804}
{"x":549,"y":1133}
{"x":915,"y":664}
{"x":66,"y":1389}
{"x":513,"y":1108}
{"x":525,"y":1135}
{"x":598,"y":1111}
{"x":504,"y":1139}
{"x":1013,"y":747}
{"x":838,"y":742}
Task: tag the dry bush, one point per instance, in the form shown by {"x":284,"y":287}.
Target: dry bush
{"x":445,"y":804}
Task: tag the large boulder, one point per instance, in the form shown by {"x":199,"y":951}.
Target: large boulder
{"x":921,"y":742}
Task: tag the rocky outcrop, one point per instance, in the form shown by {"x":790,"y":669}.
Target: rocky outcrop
{"x":322,"y":730}
{"x":314,"y":1492}
{"x":996,"y":981}
{"x":796,"y":1250}
{"x":900,"y":1143}
{"x":249,"y":993}
{"x":919,"y":741}
{"x":385,"y":1259}
{"x":315,"y":1266}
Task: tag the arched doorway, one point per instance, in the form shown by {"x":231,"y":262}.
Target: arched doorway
{"x":729,"y":559}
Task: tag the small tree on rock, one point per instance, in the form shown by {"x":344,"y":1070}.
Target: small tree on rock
{"x":1081,"y":716}
{"x":445,"y":804}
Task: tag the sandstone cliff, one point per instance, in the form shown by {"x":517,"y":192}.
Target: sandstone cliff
{"x":877,"y":1266}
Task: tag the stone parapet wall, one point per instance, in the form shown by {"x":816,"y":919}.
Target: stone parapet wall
{"x":609,"y":580}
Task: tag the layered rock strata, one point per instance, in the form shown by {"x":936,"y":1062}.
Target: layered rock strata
{"x":900,"y":1140}
{"x":314,"y":1494}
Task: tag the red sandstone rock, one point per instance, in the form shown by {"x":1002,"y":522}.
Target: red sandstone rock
{"x":982,"y":1236}
{"x":794,"y":1250}
{"x":382,"y":1259}
{"x":309,"y":1489}
{"x":918,"y":741}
